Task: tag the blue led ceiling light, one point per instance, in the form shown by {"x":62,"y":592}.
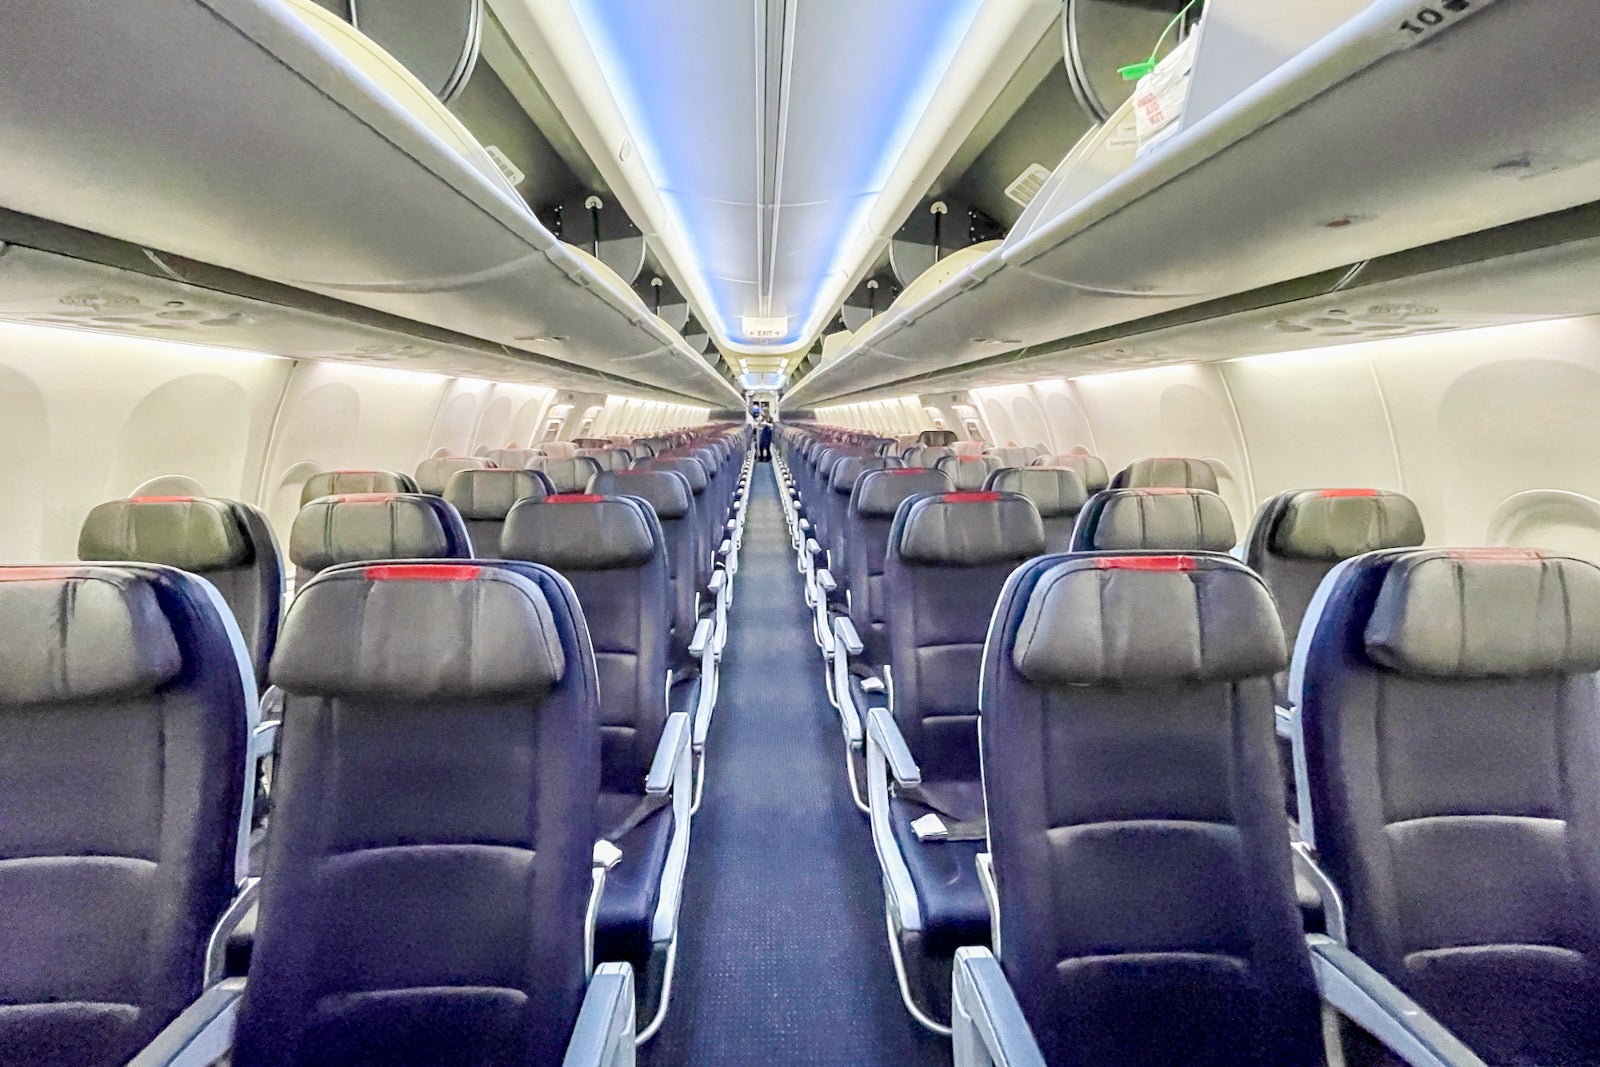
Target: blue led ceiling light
{"x":769,"y":145}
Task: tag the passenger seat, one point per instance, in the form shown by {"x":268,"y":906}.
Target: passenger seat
{"x":949,"y":556}
{"x":1452,"y":737}
{"x":1169,"y":472}
{"x":485,"y":497}
{"x":566,"y":475}
{"x":333,"y":483}
{"x":611,"y":551}
{"x":1092,"y":469}
{"x":363,"y":527}
{"x":1057,"y":493}
{"x":968,"y":473}
{"x":226,"y":542}
{"x":125,"y":730}
{"x":1167,"y":520}
{"x":433,"y":474}
{"x":1141,"y":865}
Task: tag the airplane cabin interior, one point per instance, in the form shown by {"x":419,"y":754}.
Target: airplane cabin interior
{"x":972,"y":533}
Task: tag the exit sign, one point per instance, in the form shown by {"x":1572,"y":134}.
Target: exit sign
{"x":768,"y":329}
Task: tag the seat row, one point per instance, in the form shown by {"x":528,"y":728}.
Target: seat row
{"x":1127,"y":709}
{"x":485,"y":775}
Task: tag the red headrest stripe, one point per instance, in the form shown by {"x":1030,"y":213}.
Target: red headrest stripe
{"x":1504,"y":555}
{"x":574,"y":498}
{"x":161,"y":499}
{"x":1348,"y":492}
{"x":1144,"y":563}
{"x":365,"y":498}
{"x":1163,"y":490}
{"x":970,"y":498}
{"x":40,"y":574}
{"x":421,"y":572}
{"x":907,"y":470}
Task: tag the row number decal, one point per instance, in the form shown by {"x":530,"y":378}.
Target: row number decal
{"x":1430,"y":17}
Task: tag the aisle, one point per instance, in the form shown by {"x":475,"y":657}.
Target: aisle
{"x":783,"y":957}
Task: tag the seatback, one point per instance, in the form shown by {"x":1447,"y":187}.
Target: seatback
{"x":433,"y":821}
{"x":1169,"y":472}
{"x":372,"y":526}
{"x":1299,"y":536}
{"x":334,"y":483}
{"x":937,"y":438}
{"x":1092,"y":469}
{"x":948,"y":557}
{"x":1166,"y":520}
{"x":968,"y":473}
{"x":1135,"y":812}
{"x":693,"y":473}
{"x":870,"y":514}
{"x":611,"y":551}
{"x":1057,"y":493}
{"x":559,"y":449}
{"x":126,"y":707}
{"x":606,"y":458}
{"x":226,"y":542}
{"x":668,"y":493}
{"x":1452,"y":734}
{"x":568,"y":475}
{"x":485,"y":497}
{"x":847,"y":470}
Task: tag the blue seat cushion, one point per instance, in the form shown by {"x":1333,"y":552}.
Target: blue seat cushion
{"x":945,"y":877}
{"x":633,"y":886}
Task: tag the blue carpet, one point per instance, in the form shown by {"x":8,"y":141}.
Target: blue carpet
{"x":782,"y":958}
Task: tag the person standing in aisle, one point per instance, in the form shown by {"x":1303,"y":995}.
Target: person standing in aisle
{"x":765,"y":455}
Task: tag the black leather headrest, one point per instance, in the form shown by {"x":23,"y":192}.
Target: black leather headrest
{"x":582,"y":532}
{"x":568,"y":475}
{"x":369,"y":526}
{"x":1092,"y":469}
{"x":666,"y":491}
{"x":1148,"y":621}
{"x":1328,"y":525}
{"x":433,"y":474}
{"x":193,"y":533}
{"x":693,"y":471}
{"x":418,"y":631}
{"x":1170,"y":472}
{"x":79,"y":633}
{"x":1055,"y":491}
{"x":967,"y":473}
{"x":331,"y":483}
{"x":937,"y":437}
{"x":846,"y":470}
{"x":924,"y":455}
{"x":490,"y":494}
{"x":968,"y":530}
{"x":1170,"y":520}
{"x":879,"y":494}
{"x":1487,"y":613}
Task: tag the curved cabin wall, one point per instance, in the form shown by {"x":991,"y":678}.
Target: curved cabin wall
{"x":88,"y":417}
{"x":1495,"y":433}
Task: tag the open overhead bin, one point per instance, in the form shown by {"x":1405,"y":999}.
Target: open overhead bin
{"x":238,"y":134}
{"x":1406,"y":126}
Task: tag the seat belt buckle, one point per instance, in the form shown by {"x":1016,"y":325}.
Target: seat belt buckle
{"x":929,"y":828}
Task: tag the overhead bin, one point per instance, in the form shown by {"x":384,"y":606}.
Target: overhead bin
{"x":1390,"y":133}
{"x":233,"y":133}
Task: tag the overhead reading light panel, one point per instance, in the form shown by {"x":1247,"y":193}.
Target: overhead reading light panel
{"x":769,"y":146}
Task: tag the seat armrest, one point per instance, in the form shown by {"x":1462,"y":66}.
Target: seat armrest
{"x":234,"y":914}
{"x":725,"y":548}
{"x":603,"y":1034}
{"x":674,"y":739}
{"x":271,"y":704}
{"x":844,"y":631}
{"x":825,"y":580}
{"x":886,"y":735}
{"x":1368,"y":999}
{"x":732,"y":524}
{"x":201,"y":1034}
{"x":988,"y":1028}
{"x":702,"y":636}
{"x":812,"y":548}
{"x":719,"y":578}
{"x":264,"y":737}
